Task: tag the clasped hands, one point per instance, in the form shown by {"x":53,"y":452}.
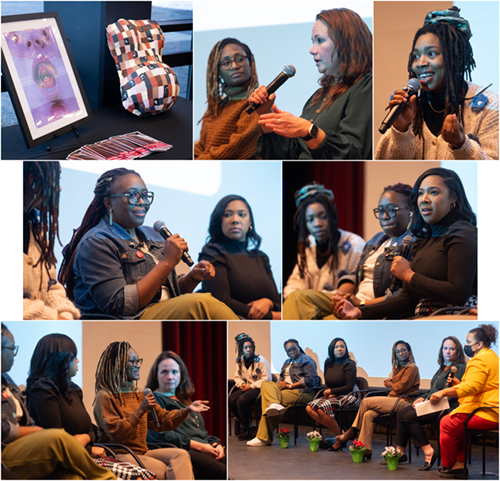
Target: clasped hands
{"x":284,"y":385}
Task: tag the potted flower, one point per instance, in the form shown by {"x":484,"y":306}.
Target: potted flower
{"x":357,"y":451}
{"x":314,"y":439}
{"x":284,"y":436}
{"x":391,"y":456}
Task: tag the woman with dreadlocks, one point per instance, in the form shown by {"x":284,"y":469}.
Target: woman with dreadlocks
{"x":325,"y":254}
{"x":252,"y":370}
{"x":116,"y":266}
{"x":227,"y":131}
{"x":123,"y":414}
{"x":336,"y":122}
{"x":43,"y":297}
{"x":450,"y":119}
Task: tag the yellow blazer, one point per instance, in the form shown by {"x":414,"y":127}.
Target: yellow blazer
{"x":479,"y":386}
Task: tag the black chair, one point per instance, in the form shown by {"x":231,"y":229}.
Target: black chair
{"x":109,"y":447}
{"x":296,"y":407}
{"x":469,"y":432}
{"x":453,"y":310}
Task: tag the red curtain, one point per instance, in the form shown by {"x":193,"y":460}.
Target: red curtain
{"x":202,"y":346}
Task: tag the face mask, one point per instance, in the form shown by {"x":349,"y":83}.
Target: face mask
{"x":468,"y":350}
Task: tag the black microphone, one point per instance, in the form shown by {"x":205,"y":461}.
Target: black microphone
{"x":146,"y":392}
{"x":453,"y":370}
{"x":160,"y":227}
{"x":288,"y":71}
{"x":411,"y":88}
{"x":408,"y":241}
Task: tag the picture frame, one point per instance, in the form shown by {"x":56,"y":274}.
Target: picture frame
{"x":41,"y":77}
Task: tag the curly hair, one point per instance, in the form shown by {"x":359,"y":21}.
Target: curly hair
{"x":458,"y":61}
{"x":353,"y":46}
{"x":300,"y":226}
{"x":111,"y":370}
{"x":459,"y":357}
{"x":51,"y":359}
{"x":394,"y":359}
{"x":461,"y":212}
{"x":185,"y":389}
{"x":404,"y":189}
{"x":295,"y":342}
{"x":215,"y":233}
{"x":41,"y":210}
{"x":216,"y":89}
{"x":95,"y":212}
{"x":485,"y":333}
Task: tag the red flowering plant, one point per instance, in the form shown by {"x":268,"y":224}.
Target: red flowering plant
{"x":283,"y":433}
{"x":358,"y":446}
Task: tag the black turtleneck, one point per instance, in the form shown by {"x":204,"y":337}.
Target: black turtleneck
{"x":340,"y":376}
{"x":445,"y":267}
{"x":241,"y":276}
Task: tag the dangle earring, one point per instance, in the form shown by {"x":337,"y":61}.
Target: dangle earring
{"x":110,"y":217}
{"x":409,"y":220}
{"x":251,"y":227}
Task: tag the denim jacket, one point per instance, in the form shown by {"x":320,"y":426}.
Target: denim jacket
{"x":108,"y":264}
{"x":382,"y":276}
{"x":303,"y":370}
{"x":10,"y":421}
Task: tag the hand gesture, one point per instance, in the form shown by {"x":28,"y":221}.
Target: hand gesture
{"x":203,"y":271}
{"x":147,"y":403}
{"x":343,"y":309}
{"x":259,"y":308}
{"x":207,"y":449}
{"x":220,"y":451}
{"x":199,"y":406}
{"x":260,"y":96}
{"x":388,"y":383}
{"x":284,"y":124}
{"x":282,"y":384}
{"x":175,"y":245}
{"x":453,"y":131}
{"x":400,"y":267}
{"x":246,"y":387}
{"x":452,"y":381}
{"x":405,"y":118}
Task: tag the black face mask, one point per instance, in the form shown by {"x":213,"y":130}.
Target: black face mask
{"x":468,"y":350}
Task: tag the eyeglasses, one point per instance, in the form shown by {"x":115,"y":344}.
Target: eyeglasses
{"x":135,"y":362}
{"x":14,"y":349}
{"x":227,"y":63}
{"x":391,"y":211}
{"x":133,"y":197}
{"x":291,"y":350}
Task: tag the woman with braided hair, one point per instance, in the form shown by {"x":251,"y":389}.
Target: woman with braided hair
{"x":450,"y":118}
{"x":123,"y":414}
{"x":227,"y":131}
{"x":43,"y":297}
{"x":325,"y":254}
{"x":116,"y":266}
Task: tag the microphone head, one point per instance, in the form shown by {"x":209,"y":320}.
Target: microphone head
{"x":289,"y":70}
{"x":159,"y":224}
{"x":408,"y":240}
{"x":453,"y":369}
{"x":146,"y":391}
{"x":414,"y":84}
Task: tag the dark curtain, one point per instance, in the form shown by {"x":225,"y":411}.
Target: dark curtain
{"x":202,"y":346}
{"x":345,"y":179}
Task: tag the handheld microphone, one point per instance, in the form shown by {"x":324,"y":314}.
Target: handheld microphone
{"x":408,"y":241}
{"x":146,"y":392}
{"x":160,"y":227}
{"x":453,"y":370}
{"x":288,"y":71}
{"x":411,"y":88}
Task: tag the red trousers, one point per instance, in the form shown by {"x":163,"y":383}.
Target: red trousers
{"x":451,"y":436}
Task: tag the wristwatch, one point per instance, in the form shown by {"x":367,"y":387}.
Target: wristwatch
{"x":362,"y":303}
{"x":313,"y":132}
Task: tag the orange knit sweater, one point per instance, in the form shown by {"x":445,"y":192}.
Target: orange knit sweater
{"x":116,"y":422}
{"x":231,"y":136}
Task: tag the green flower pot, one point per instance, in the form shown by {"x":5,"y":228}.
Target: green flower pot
{"x":392,"y":462}
{"x":314,"y":444}
{"x":285,"y":442}
{"x":357,"y":455}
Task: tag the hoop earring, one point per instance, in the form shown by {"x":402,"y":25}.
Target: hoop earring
{"x":110,"y":217}
{"x":453,"y":205}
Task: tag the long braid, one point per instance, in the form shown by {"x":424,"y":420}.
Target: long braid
{"x":216,"y":92}
{"x":92,"y":217}
{"x":111,"y":369}
{"x":41,"y":210}
{"x":458,"y":61}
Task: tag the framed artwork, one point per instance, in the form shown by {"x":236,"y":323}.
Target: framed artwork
{"x":41,"y":77}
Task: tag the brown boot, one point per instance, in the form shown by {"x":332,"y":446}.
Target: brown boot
{"x":351,"y":433}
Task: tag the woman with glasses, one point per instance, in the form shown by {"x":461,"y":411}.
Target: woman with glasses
{"x":123,"y":414}
{"x":336,"y":121}
{"x":443,"y":269}
{"x":116,"y":266}
{"x":405,"y":379}
{"x":297,"y":379}
{"x":372,"y":280}
{"x":43,"y":297}
{"x":227,"y":131}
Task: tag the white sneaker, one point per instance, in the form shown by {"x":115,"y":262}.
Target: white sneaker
{"x":257,"y":442}
{"x":274,"y":409}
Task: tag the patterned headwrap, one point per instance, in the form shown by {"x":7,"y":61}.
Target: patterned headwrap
{"x":311,"y":189}
{"x":452,"y":17}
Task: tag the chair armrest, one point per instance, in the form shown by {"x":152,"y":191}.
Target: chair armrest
{"x":137,"y":460}
{"x":481,"y":408}
{"x":416,"y":393}
{"x":162,"y":445}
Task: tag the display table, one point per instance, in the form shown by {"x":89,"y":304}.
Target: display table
{"x":174,"y":127}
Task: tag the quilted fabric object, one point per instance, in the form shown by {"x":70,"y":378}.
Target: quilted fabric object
{"x":147,"y":85}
